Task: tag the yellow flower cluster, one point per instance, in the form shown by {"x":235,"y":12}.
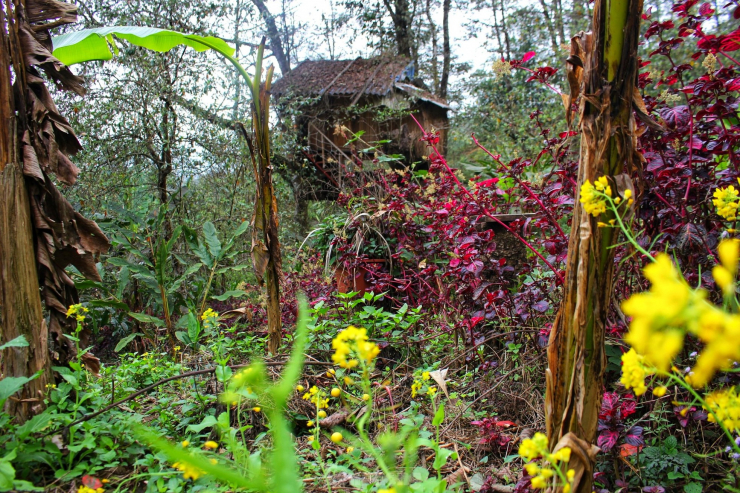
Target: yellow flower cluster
{"x":536,"y":447}
{"x":727,"y":202}
{"x":658,"y":314}
{"x":592,"y":196}
{"x":353,"y":342}
{"x":78,"y":311}
{"x":724,"y":273}
{"x":86,"y":489}
{"x":634,"y":372}
{"x":210,"y":319}
{"x":316,"y":397}
{"x":418,"y":384}
{"x":188,"y":471}
{"x":662,"y":316}
{"x":387,"y":490}
{"x":725,"y":404}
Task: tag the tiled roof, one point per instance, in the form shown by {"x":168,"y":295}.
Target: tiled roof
{"x":374,"y":76}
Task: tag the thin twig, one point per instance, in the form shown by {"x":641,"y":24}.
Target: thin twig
{"x":502,"y":379}
{"x":169,"y":379}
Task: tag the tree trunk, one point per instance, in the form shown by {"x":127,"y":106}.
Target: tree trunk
{"x":19,"y":289}
{"x":505,"y":30}
{"x":433,"y":33}
{"x":446,"y":52}
{"x":266,"y":257}
{"x":20,"y":299}
{"x":550,"y":28}
{"x":276,"y":42}
{"x":35,"y":141}
{"x":576,"y":356}
{"x":400,"y":15}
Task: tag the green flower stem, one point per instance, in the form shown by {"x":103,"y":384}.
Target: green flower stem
{"x":369,"y":447}
{"x":700,"y":399}
{"x":625,"y":230}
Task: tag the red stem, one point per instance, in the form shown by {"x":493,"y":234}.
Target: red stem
{"x":486,"y":212}
{"x":524,"y":185}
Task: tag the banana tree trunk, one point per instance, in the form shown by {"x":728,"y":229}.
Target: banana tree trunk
{"x":603,"y":70}
{"x":265,"y":242}
{"x":40,"y":232}
{"x":19,"y":286}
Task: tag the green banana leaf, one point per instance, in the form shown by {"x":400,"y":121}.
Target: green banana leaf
{"x":98,"y":43}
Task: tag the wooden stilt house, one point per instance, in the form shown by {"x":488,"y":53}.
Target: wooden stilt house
{"x":351,"y":114}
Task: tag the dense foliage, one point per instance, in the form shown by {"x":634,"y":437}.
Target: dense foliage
{"x":428,"y":375}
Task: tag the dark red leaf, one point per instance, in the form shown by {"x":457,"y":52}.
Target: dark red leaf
{"x":607,"y":439}
{"x":676,"y":118}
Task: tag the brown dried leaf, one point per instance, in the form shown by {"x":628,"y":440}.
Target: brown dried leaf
{"x":91,"y":363}
{"x":459,"y":476}
{"x":334,"y":420}
{"x":260,"y":259}
{"x":642,"y":112}
{"x":582,"y":458}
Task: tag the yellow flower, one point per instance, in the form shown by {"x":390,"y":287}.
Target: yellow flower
{"x":348,"y":381}
{"x":85,"y":489}
{"x":322,"y":414}
{"x":188,"y":471}
{"x":309,"y":424}
{"x":310,"y":438}
{"x":78,"y":311}
{"x":566,"y":488}
{"x":210,"y":319}
{"x":627,"y":194}
{"x":720,"y":331}
{"x":724,"y":279}
{"x":425,"y":376}
{"x":593,"y":196}
{"x":335,"y":392}
{"x":388,"y":490}
{"x":415,"y":388}
{"x":210,"y":444}
{"x":299,"y":388}
{"x":185,"y":443}
{"x":532,"y":448}
{"x":256,"y":409}
{"x":353,"y":342}
{"x":365,"y":397}
{"x":336,"y":437}
{"x":660,"y":315}
{"x":729,"y":252}
{"x":724,"y":274}
{"x":432,"y":391}
{"x":562,"y":455}
{"x":726,"y":202}
{"x":532,"y":468}
{"x":571,"y":474}
{"x":725,"y":404}
{"x":350,"y":450}
{"x":660,"y":391}
{"x":539,"y":482}
{"x":634,"y":372}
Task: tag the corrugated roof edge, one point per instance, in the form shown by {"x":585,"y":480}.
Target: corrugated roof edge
{"x":423,"y":95}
